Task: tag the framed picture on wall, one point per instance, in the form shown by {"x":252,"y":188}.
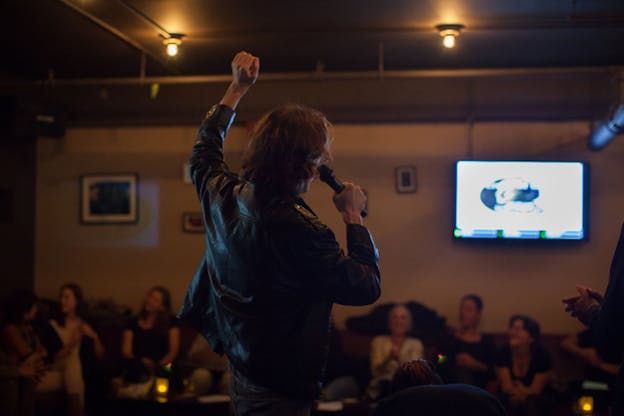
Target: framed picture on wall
{"x":192,"y":222}
{"x":109,"y":198}
{"x":405,"y":179}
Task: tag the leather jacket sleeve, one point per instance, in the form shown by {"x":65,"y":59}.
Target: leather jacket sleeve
{"x":207,"y":168}
{"x":319,"y":267}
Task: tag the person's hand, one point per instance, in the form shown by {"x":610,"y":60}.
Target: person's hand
{"x":395,"y":351}
{"x":245,"y":70}
{"x":519,"y":392}
{"x":583,"y":306}
{"x":86,"y":330}
{"x":351,"y":201}
{"x":32,"y":368}
{"x":466,"y":360}
{"x":591,"y":356}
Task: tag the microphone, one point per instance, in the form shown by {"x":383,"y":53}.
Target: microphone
{"x":327,"y":175}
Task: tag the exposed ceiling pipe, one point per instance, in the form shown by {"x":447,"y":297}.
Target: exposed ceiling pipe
{"x":344,"y":75}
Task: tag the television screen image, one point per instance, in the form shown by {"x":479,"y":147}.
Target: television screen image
{"x":520,"y":200}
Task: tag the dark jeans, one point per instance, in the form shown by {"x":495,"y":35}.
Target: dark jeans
{"x":249,"y":399}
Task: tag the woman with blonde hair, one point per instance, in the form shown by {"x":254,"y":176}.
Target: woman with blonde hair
{"x":388,"y":352}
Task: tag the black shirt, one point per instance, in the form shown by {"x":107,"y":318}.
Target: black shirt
{"x":482,"y":351}
{"x":540,"y":363}
{"x":152,"y":343}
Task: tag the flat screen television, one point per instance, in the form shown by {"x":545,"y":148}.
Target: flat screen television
{"x":520,"y":200}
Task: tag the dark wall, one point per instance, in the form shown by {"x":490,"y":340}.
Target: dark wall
{"x":17,"y":213}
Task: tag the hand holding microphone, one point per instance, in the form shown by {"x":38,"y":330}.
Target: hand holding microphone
{"x":349,"y":198}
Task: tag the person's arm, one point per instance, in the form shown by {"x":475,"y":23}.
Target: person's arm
{"x":67,"y":348}
{"x":317,"y":266}
{"x":416,"y":350}
{"x":379,"y":358}
{"x":612,"y":369}
{"x":466,"y":360}
{"x":126,"y":344}
{"x":572,"y":345}
{"x":174,"y":346}
{"x":98,"y":347}
{"x":540,"y":380}
{"x":504,"y":378}
{"x":207,"y":167}
{"x":15,"y":343}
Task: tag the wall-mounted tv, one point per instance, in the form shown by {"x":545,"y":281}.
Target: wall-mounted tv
{"x":520,"y":200}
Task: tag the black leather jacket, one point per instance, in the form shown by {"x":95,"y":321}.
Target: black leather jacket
{"x":264,"y":290}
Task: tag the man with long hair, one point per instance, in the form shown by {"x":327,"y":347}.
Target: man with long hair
{"x":264,"y":290}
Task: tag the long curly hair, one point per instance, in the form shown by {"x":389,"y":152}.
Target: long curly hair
{"x":163,"y":318}
{"x":81,"y":307}
{"x":286,"y":146}
{"x":414,"y":373}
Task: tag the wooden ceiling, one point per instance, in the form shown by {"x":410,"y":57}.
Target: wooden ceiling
{"x":532,"y":59}
{"x":106,"y":38}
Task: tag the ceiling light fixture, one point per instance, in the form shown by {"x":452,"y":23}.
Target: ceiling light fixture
{"x":172,"y":43}
{"x":449,"y":33}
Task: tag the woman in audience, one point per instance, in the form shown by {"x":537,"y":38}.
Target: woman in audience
{"x":471,"y":353}
{"x":72,"y":330}
{"x":390,"y":351}
{"x":152,"y":339}
{"x":211,"y":370}
{"x":523,"y":368}
{"x":22,"y":355}
{"x":604,"y":365}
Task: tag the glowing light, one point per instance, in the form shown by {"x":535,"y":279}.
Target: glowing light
{"x":172,"y":49}
{"x":449,"y":34}
{"x":449,"y":41}
{"x":586,"y":404}
{"x":172,"y":44}
{"x":162,"y":386}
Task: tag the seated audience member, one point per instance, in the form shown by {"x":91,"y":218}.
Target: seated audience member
{"x":418,"y":390}
{"x":21,"y":355}
{"x":66,"y":370}
{"x":345,"y":377}
{"x":390,"y":351}
{"x":582,"y":345}
{"x":414,"y":373}
{"x":212,"y":374}
{"x":471,"y":353}
{"x":12,"y":377}
{"x":152,"y":339}
{"x":523,"y":368}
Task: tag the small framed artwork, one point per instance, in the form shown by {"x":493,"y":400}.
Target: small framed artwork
{"x":193,"y":222}
{"x":109,"y":198}
{"x":406,"y":179}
